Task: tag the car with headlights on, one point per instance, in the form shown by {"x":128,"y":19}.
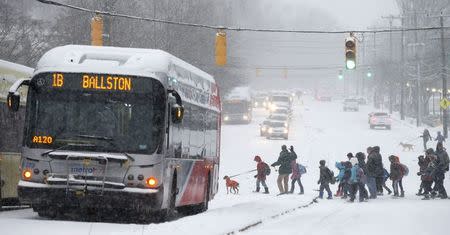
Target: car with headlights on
{"x":277,"y":129}
{"x":263,"y":127}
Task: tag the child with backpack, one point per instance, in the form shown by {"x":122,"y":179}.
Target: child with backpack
{"x":398,"y":170}
{"x":297,"y":171}
{"x":326,"y":177}
{"x":262,"y":170}
{"x":357,"y":181}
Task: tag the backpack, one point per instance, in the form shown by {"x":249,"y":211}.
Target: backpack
{"x":360,"y":176}
{"x":331,"y":176}
{"x":266,"y":169}
{"x":404,"y":169}
{"x":301,"y":169}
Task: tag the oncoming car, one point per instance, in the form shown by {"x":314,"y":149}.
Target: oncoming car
{"x":381,"y":119}
{"x":263,"y":127}
{"x":277,"y":129}
{"x":351,"y":104}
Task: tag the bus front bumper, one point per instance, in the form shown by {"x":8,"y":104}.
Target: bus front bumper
{"x":42,"y":195}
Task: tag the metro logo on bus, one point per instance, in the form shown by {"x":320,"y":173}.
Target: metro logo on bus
{"x":100,"y":82}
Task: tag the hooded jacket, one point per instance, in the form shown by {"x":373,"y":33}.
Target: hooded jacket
{"x":375,"y":163}
{"x":260,"y":169}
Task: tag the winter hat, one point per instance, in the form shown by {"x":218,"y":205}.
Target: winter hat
{"x":354,"y":161}
{"x":360,"y":156}
{"x":257,"y":158}
{"x":349,"y":155}
{"x":322,"y":162}
{"x":429,"y":151}
{"x":283,"y":147}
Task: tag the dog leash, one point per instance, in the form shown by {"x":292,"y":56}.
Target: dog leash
{"x":242,"y":173}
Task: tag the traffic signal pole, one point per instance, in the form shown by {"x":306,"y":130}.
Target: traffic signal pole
{"x":444,"y":77}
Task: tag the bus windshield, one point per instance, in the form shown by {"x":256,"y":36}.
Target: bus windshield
{"x":235,"y":107}
{"x":131,"y":120}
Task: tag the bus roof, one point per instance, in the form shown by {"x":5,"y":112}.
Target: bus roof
{"x":112,"y":60}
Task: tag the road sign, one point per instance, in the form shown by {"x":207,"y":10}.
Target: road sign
{"x":445,"y":103}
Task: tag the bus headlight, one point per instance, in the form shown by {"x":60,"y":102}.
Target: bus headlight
{"x":270,"y":131}
{"x":245,"y":117}
{"x":226,"y":118}
{"x":285,"y":124}
{"x":27,"y":174}
{"x":151,"y":182}
{"x":263,"y":128}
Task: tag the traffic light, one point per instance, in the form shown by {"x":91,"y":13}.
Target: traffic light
{"x":340,"y":76}
{"x":221,"y":48}
{"x":350,"y":52}
{"x":97,"y":31}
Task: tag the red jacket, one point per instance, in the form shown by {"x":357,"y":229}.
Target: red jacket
{"x":261,"y":172}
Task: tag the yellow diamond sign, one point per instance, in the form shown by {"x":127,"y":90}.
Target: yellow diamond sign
{"x":445,"y":103}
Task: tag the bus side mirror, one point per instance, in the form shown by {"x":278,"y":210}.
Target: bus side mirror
{"x":13,"y":102}
{"x":177,"y":109}
{"x":177,"y":113}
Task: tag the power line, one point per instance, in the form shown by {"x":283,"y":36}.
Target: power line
{"x":230,"y":28}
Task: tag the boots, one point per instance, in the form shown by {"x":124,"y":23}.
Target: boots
{"x":257,"y":190}
{"x":266,"y":190}
{"x":321,"y":195}
{"x":402,"y":194}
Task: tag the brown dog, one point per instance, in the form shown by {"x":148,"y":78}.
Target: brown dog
{"x":409,"y":147}
{"x":232,"y":185}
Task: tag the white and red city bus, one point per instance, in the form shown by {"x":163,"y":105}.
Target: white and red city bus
{"x":121,"y":129}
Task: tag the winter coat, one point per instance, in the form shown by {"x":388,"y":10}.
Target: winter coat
{"x":295,"y":170}
{"x":375,"y":163}
{"x":426,"y":135}
{"x":261,"y":171}
{"x":396,"y":171}
{"x":357,"y":174}
{"x":423,"y":164}
{"x":442,"y":160}
{"x":440,"y":138}
{"x":341,"y":169}
{"x":284,"y":161}
{"x":325,"y":175}
{"x":347,"y":172}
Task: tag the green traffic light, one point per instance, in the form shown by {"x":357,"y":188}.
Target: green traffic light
{"x":369,"y":74}
{"x":350,"y":64}
{"x":341,"y":76}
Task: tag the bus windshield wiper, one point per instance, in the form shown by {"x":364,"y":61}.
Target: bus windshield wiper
{"x":65,"y":146}
{"x":108,"y":140}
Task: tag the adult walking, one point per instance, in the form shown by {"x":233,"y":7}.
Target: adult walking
{"x":439,"y":138}
{"x":442,"y":167}
{"x":284,"y":161}
{"x":425,"y":138}
{"x":375,"y":174}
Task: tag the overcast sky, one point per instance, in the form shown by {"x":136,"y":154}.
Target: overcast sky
{"x":355,"y":14}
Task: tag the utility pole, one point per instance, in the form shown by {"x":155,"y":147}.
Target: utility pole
{"x":390,"y":89}
{"x":444,"y":77}
{"x":402,"y":71}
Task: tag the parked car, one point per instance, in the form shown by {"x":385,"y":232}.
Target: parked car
{"x":277,"y":130}
{"x":351,"y":104}
{"x":377,"y":119}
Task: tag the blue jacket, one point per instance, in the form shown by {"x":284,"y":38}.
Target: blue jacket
{"x":355,"y":176}
{"x":341,"y":169}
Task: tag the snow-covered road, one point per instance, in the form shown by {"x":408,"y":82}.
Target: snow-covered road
{"x":319,"y":131}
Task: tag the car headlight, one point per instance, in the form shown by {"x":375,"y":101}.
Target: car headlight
{"x":285,"y":124}
{"x":256,"y":103}
{"x":263,"y":128}
{"x":245,"y":117}
{"x":270,"y":130}
{"x":226,"y":118}
{"x":285,"y":131}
